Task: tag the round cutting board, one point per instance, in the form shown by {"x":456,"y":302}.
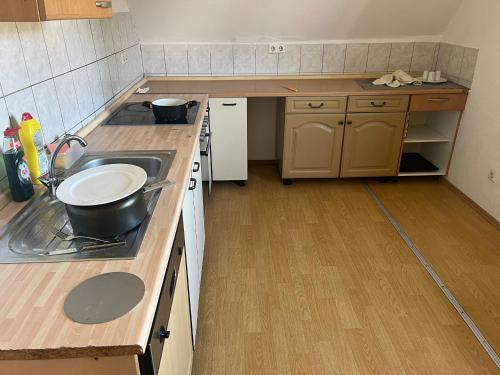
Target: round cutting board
{"x":101,"y":185}
{"x":104,"y":297}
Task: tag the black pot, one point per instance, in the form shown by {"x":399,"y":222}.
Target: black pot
{"x":112,"y":219}
{"x":169,"y":109}
{"x":108,"y":220}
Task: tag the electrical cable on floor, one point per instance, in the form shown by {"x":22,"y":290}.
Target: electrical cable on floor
{"x":470,"y":323}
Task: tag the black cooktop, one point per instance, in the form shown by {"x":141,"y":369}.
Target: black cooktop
{"x":137,"y":114}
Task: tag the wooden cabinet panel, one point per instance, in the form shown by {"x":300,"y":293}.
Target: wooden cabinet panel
{"x":383,"y":103}
{"x":316,"y":104}
{"x":312,"y":146}
{"x":438,"y":102}
{"x":177,"y":356}
{"x":372,"y":144}
{"x":43,"y":10}
{"x":22,"y":11}
{"x":63,"y":9}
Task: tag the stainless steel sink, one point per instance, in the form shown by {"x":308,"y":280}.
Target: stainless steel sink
{"x":32,"y":232}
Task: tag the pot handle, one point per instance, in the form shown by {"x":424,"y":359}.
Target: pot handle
{"x":157,"y":185}
{"x":191,"y":103}
{"x":147,"y":104}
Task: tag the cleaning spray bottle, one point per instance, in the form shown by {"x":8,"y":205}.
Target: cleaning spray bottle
{"x":31,"y":136}
{"x":16,"y":168}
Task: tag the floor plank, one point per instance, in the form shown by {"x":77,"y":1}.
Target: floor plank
{"x":312,"y":279}
{"x":460,"y":244}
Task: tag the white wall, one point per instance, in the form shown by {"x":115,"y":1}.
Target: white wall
{"x":477,"y":24}
{"x":286,"y":20}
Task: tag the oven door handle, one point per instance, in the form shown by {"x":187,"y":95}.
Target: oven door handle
{"x":207,"y":150}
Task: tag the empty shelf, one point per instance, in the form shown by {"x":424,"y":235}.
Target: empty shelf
{"x":422,"y":133}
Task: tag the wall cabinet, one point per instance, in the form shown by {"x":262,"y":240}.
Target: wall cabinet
{"x":372,"y":144}
{"x":177,"y":355}
{"x":194,"y":231}
{"x":44,"y":10}
{"x":228,"y":123}
{"x":313,"y":145}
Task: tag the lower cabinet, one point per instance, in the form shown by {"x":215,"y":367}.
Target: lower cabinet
{"x":372,"y":144}
{"x":194,"y":232}
{"x":228,"y":124}
{"x":312,"y":145}
{"x":177,"y":356}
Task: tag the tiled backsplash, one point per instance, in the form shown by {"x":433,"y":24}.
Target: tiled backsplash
{"x":326,"y":58}
{"x":65,"y":72}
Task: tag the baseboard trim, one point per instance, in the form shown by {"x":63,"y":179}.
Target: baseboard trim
{"x":263,"y":162}
{"x":492,"y":220}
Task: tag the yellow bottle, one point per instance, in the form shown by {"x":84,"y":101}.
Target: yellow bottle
{"x":31,"y":136}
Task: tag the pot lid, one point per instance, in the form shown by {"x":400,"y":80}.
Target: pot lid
{"x":101,"y":185}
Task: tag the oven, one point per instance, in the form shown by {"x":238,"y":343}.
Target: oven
{"x":206,"y":156}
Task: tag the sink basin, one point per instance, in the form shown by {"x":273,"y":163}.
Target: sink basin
{"x":32,"y":232}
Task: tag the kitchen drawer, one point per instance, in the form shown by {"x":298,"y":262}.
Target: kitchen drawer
{"x":382,"y":103}
{"x":438,"y":102}
{"x":316,"y":104}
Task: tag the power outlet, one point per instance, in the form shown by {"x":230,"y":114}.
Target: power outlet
{"x":491,"y":175}
{"x":277,"y":48}
{"x":124,"y":58}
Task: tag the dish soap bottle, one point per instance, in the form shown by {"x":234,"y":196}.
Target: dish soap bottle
{"x":31,"y":136}
{"x":17,"y":171}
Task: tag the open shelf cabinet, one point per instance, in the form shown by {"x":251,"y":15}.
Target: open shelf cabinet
{"x":431,"y":135}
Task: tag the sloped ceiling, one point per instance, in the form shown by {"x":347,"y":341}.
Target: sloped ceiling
{"x":288,"y":20}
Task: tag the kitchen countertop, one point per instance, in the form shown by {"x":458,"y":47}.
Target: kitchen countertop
{"x":33,"y":324}
{"x":275,"y":87}
{"x":32,"y":321}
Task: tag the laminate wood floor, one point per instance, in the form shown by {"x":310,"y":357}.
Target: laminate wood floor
{"x":462,"y":246}
{"x":312,"y":279}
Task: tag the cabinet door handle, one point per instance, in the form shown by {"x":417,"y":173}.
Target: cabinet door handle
{"x":192,"y":184}
{"x":171,"y":289}
{"x":103,"y":4}
{"x":349,"y":122}
{"x":341,"y":122}
{"x":196,"y":167}
{"x":163,"y":334}
{"x":315,"y":106}
{"x":438,"y":100}
{"x":229,"y":104}
{"x":378,"y":105}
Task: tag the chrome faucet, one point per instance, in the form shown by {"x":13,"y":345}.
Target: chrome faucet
{"x":53,"y":180}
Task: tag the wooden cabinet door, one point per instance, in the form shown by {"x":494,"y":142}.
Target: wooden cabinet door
{"x":372,"y":144}
{"x":313,"y":145}
{"x":64,"y":9}
{"x":177,"y":355}
{"x":191,"y":243}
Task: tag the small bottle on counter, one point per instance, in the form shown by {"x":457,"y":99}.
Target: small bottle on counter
{"x":31,"y":136}
{"x":17,"y":170}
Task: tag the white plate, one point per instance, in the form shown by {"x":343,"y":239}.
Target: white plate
{"x":442,"y":80}
{"x":101,"y":185}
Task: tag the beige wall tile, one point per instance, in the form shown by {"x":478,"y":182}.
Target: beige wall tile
{"x":469,"y":64}
{"x":221,"y":59}
{"x":423,"y":56}
{"x":199,"y":59}
{"x":311,"y":58}
{"x":356,"y":57}
{"x":265,"y":62}
{"x":455,"y":63}
{"x":401,"y":54}
{"x":378,"y":57}
{"x":244,"y":58}
{"x":289,"y":61}
{"x":334,"y":58}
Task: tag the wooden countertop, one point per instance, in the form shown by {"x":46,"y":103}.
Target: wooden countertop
{"x":276,"y":87}
{"x":32,"y":321}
